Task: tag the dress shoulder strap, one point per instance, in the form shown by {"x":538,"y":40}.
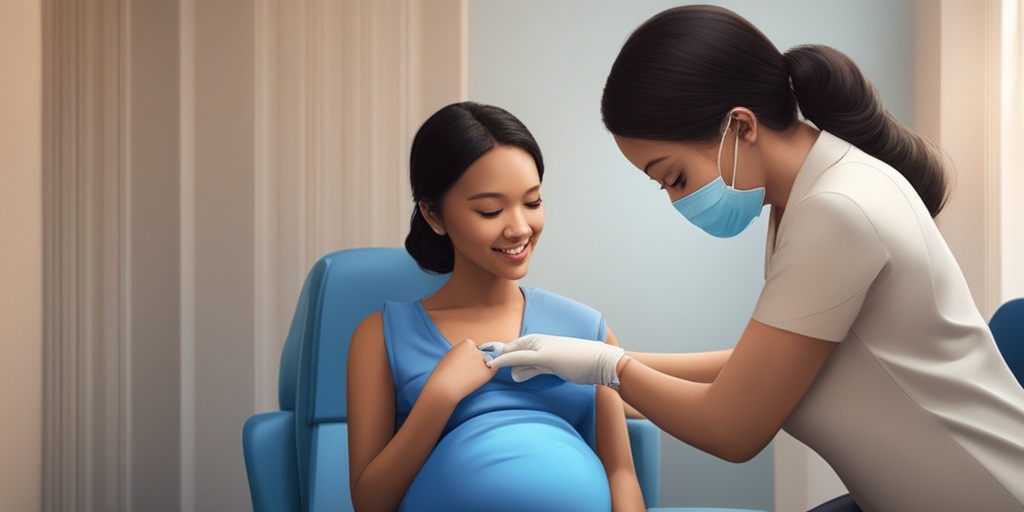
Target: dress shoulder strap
{"x":551,"y":313}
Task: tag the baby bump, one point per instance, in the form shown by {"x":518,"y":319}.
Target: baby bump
{"x":511,"y":460}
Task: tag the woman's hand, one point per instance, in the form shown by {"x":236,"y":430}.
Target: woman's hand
{"x":460,"y":372}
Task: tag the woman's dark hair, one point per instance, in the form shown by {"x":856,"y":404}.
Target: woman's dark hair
{"x":444,"y":147}
{"x":682,"y":71}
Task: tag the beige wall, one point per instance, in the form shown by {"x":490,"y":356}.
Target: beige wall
{"x":21,"y":278}
{"x":958,"y":108}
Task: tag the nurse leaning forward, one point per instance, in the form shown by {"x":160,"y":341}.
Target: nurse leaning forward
{"x":865,"y":343}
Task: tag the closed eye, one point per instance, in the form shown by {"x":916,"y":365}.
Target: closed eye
{"x":490,"y":214}
{"x":676,"y":183}
{"x":533,"y":205}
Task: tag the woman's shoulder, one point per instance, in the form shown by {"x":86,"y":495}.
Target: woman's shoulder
{"x":555,"y":311}
{"x":371,"y":323}
{"x":369,"y":333}
{"x":392,"y":309}
{"x":554,"y":299}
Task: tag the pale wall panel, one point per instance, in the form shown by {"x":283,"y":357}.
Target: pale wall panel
{"x":153,"y":263}
{"x":958,"y":72}
{"x":224,"y":228}
{"x":21,"y":247}
{"x":86,"y":402}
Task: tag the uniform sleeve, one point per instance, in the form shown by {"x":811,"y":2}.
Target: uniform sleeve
{"x":826,"y":258}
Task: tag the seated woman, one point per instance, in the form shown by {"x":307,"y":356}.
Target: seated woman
{"x":431,"y":427}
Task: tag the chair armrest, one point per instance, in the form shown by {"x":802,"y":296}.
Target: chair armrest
{"x":645,"y":443}
{"x":268,"y":442}
{"x":329,"y":482}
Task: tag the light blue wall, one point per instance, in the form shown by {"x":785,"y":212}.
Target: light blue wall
{"x":612,"y":239}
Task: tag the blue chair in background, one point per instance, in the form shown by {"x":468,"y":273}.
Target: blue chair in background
{"x":1007,"y":326}
{"x":296,"y":459}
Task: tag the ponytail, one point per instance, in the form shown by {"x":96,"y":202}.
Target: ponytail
{"x":432,"y":252}
{"x":833,"y":93}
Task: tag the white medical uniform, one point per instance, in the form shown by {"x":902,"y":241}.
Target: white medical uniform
{"x":915,"y":409}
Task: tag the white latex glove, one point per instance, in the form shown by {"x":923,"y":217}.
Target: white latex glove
{"x":573,"y":359}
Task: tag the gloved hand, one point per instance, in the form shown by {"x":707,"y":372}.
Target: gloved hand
{"x":575,"y":360}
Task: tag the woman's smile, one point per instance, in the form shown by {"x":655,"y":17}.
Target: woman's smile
{"x":517,"y":253}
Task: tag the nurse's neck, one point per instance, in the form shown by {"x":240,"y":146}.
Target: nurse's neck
{"x":784,"y":153}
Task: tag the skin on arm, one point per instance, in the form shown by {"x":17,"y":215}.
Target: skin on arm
{"x":696,"y":366}
{"x":384,"y":463}
{"x":737,"y":415}
{"x":612,"y":446}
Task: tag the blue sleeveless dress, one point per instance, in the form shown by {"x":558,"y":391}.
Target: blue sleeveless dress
{"x":508,"y":446}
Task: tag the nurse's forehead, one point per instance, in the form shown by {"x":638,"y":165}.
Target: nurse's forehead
{"x":643,"y":154}
{"x":647,"y":168}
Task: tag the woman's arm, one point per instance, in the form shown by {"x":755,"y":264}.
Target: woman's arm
{"x":695,"y":366}
{"x":383,"y":463}
{"x":614,"y":451}
{"x":735,"y":416}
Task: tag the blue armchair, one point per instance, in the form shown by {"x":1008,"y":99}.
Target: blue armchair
{"x":297,"y":458}
{"x":1007,"y":326}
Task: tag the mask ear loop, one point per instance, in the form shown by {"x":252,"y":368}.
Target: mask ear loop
{"x":735,"y":151}
{"x":735,"y":159}
{"x":721,"y":143}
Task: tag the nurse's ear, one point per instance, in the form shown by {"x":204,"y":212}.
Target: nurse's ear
{"x":432,"y":217}
{"x":744,"y":122}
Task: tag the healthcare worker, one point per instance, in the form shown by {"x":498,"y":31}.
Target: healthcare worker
{"x":865,"y":343}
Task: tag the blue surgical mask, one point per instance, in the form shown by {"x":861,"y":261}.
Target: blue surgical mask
{"x":720,"y":210}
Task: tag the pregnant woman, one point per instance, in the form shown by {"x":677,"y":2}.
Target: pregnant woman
{"x":431,"y":427}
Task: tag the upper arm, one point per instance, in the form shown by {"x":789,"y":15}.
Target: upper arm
{"x":829,"y":254}
{"x":765,"y":378}
{"x":370,"y":395}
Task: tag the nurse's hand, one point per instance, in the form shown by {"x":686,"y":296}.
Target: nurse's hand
{"x":575,"y":360}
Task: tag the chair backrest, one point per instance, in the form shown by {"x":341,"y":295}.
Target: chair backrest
{"x":1007,"y":326}
{"x":343,"y":288}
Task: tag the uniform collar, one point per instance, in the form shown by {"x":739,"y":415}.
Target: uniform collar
{"x":826,"y":152}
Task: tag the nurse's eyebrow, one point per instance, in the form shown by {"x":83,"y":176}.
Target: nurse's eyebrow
{"x":650,"y":164}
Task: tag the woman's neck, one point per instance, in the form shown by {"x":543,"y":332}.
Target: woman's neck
{"x":473,"y":290}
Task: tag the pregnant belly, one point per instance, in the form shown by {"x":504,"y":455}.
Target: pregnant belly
{"x":511,"y":461}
